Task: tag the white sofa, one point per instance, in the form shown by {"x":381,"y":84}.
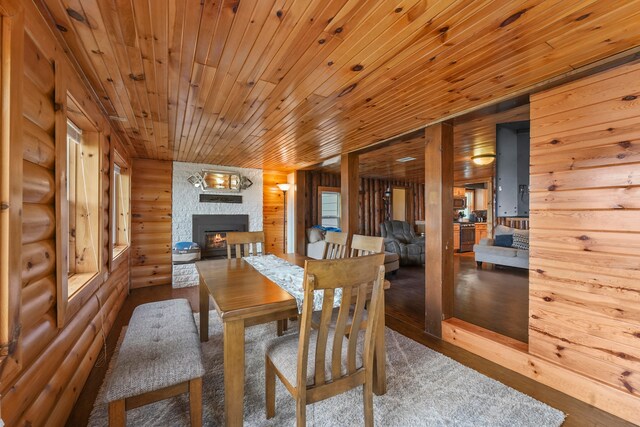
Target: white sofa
{"x":486,"y":251}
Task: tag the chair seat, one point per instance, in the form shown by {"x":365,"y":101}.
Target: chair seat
{"x":283,"y":352}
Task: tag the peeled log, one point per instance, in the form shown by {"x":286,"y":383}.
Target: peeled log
{"x":37,"y":299}
{"x":37,"y":145}
{"x":38,"y":261}
{"x":38,"y":222}
{"x":38,"y":106}
{"x":38,"y":184}
{"x":38,"y":337}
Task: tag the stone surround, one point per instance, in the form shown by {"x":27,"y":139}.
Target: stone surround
{"x":186,"y":203}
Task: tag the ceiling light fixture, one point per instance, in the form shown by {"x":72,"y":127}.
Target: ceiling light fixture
{"x":483,"y":159}
{"x":406,"y":159}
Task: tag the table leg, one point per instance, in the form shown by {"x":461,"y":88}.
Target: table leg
{"x":380,"y":356}
{"x":233,"y":372}
{"x":204,"y":312}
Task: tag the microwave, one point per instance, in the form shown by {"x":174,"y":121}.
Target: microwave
{"x":459,"y":203}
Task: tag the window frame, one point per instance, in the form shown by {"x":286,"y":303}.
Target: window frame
{"x":74,"y":289}
{"x":116,"y":218}
{"x":322,"y":190}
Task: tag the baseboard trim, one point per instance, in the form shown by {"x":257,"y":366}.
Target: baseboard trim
{"x":514,"y":355}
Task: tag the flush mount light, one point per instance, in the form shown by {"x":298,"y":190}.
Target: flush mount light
{"x":406,"y":159}
{"x":483,"y":159}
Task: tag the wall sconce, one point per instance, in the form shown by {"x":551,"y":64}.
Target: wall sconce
{"x":483,"y":159}
{"x":284,"y":187}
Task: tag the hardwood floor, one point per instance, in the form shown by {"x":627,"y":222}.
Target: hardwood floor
{"x":493,"y":298}
{"x":578,"y":413}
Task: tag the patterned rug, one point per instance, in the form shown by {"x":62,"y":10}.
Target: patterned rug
{"x":424,"y":388}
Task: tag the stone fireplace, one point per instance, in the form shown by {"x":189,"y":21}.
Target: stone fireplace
{"x":210,"y":231}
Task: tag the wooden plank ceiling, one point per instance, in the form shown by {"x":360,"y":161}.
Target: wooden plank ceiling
{"x":282,"y":84}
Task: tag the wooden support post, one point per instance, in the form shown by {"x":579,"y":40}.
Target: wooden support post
{"x":438,"y":226}
{"x":300,"y":207}
{"x":349,"y":192}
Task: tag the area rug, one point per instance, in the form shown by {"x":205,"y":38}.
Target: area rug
{"x":424,"y":388}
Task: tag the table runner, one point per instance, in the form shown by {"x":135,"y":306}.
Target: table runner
{"x":289,"y":277}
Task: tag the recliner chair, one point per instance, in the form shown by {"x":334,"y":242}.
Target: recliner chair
{"x":400,"y":238}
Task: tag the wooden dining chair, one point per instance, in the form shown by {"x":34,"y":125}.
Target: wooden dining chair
{"x":247,"y":241}
{"x":366,"y":245}
{"x":335,"y":245}
{"x":324,"y":362}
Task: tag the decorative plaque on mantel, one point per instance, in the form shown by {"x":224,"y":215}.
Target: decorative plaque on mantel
{"x":220,"y":198}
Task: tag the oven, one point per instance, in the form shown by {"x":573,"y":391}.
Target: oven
{"x":467,"y":237}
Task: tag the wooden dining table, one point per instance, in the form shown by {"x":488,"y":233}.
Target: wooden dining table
{"x":243,"y":297}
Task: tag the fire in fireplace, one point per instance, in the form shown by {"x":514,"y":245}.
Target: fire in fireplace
{"x":210,"y":232}
{"x":216,"y":239}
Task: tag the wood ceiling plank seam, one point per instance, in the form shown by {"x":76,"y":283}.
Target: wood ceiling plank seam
{"x":292,"y":95}
{"x":233,"y":93}
{"x":288,"y":16}
{"x":144,"y":33}
{"x":174,"y":40}
{"x":327,"y":103}
{"x":395,"y":37}
{"x":265,"y":38}
{"x":211,"y":14}
{"x":231,"y":152}
{"x":121,"y":57}
{"x":236,"y":22}
{"x":92,"y":11}
{"x":90,"y":46}
{"x":190,"y":34}
{"x":158,"y":15}
{"x":68,"y":31}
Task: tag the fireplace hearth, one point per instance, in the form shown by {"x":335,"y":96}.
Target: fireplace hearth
{"x":210,"y":232}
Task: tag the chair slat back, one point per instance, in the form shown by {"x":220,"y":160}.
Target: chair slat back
{"x":335,"y":245}
{"x":245,"y":242}
{"x":353,"y":277}
{"x":366,"y":245}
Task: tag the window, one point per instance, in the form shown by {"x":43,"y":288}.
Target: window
{"x":329,"y":202}
{"x":82,"y":202}
{"x":120,"y":219}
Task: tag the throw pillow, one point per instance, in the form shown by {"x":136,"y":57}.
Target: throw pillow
{"x":503,"y":240}
{"x":521,"y":241}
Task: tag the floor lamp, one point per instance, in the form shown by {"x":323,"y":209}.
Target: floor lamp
{"x":284,"y":188}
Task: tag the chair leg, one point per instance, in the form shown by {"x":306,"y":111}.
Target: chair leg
{"x":301,"y":412}
{"x":280,"y":328}
{"x":195,"y":402}
{"x":270,"y":387}
{"x":117,"y":414}
{"x":367,"y":393}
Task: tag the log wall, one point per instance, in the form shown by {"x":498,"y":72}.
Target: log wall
{"x":371,"y":208}
{"x":585,"y":228}
{"x":151,"y":222}
{"x":273,"y":210}
{"x":53,"y":360}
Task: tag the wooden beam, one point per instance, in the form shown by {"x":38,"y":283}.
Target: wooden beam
{"x":438,"y":226}
{"x":11,"y":164}
{"x":299,"y":211}
{"x":349,"y":192}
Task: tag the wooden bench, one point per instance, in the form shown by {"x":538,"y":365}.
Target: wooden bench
{"x":160,"y":357}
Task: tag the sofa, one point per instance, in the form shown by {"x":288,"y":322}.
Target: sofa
{"x":400,"y":238}
{"x":316,"y":244}
{"x":487,"y":251}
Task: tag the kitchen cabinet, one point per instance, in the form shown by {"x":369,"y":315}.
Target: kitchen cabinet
{"x":459,"y":192}
{"x":481,"y":231}
{"x":456,"y":237}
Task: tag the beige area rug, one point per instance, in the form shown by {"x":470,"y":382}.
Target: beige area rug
{"x":425,"y":388}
